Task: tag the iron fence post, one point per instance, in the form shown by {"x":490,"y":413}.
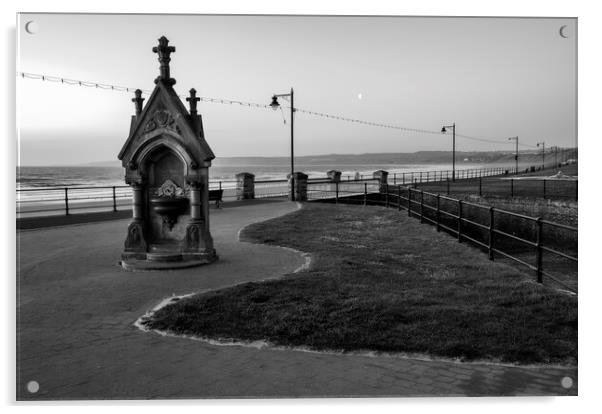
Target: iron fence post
{"x":220,"y":185}
{"x":387,"y":195}
{"x":365,"y":193}
{"x":66,"y":201}
{"x":427,"y":176}
{"x":448,"y":186}
{"x":480,"y":186}
{"x":409,"y":201}
{"x":512,"y":187}
{"x":539,"y":251}
{"x":336,"y":199}
{"x":398,"y":198}
{"x":459,"y":221}
{"x":544,"y":188}
{"x":394,"y":178}
{"x":421,"y":206}
{"x":114,"y":200}
{"x":438,"y":216}
{"x":403,"y":178}
{"x":491,"y":232}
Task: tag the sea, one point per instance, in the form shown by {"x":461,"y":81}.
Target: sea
{"x":29,"y":177}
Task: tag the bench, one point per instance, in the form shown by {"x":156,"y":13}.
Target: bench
{"x":216,"y":195}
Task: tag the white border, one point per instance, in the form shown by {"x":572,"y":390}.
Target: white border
{"x":589,"y":127}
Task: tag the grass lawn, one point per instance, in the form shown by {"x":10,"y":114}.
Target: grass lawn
{"x":382,"y":281}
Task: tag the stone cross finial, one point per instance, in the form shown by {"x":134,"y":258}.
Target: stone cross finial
{"x":192,"y":100}
{"x":138,"y":99}
{"x":163,"y":50}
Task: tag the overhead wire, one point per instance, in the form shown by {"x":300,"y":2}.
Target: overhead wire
{"x":223,"y":101}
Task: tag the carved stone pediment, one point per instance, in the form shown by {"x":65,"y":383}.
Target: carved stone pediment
{"x":160,"y":119}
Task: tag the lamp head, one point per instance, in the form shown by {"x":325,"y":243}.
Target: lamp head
{"x":275,"y":105}
{"x":443,"y":130}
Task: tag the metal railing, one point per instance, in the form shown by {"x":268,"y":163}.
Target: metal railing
{"x":510,"y":235}
{"x":409,"y":177}
{"x":71,"y":200}
{"x":66,"y":200}
{"x":507,"y":187}
{"x":324,"y":189}
{"x":412,"y":177}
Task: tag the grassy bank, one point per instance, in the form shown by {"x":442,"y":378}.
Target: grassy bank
{"x":511,"y":186}
{"x":381,"y":281}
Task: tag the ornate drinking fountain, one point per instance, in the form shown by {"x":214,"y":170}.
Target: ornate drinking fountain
{"x":166,"y":161}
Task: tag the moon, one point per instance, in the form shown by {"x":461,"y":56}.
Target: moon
{"x":359,"y":96}
{"x":31,"y":27}
{"x":562,"y":32}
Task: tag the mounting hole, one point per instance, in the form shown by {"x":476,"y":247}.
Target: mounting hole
{"x":566,"y":382}
{"x":31,"y":27}
{"x":33,"y":387}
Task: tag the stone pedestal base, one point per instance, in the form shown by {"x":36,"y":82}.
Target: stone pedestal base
{"x":167,"y":261}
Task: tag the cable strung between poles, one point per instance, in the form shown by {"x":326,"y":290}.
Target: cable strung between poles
{"x":222,"y":101}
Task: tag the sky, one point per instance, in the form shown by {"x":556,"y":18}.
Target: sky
{"x":494,"y":77}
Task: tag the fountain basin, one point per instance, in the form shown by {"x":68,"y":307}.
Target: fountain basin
{"x":169,"y":208}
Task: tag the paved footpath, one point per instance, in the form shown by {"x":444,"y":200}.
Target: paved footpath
{"x":76,"y":338}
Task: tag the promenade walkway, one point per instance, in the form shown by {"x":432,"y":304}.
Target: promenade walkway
{"x":77,"y":339}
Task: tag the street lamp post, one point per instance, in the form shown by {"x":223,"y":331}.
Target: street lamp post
{"x":275,"y":105}
{"x":443,"y":130}
{"x":515,"y":154}
{"x":543,"y":154}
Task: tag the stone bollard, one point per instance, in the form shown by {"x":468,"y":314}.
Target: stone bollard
{"x":245,"y":186}
{"x":300,"y":189}
{"x":382,"y":177}
{"x":334,"y":176}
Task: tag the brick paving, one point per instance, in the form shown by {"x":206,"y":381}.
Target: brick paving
{"x":76,"y":338}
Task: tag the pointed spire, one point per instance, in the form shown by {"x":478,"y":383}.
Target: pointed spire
{"x":138,"y":99}
{"x":163,"y":50}
{"x":192,"y":100}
